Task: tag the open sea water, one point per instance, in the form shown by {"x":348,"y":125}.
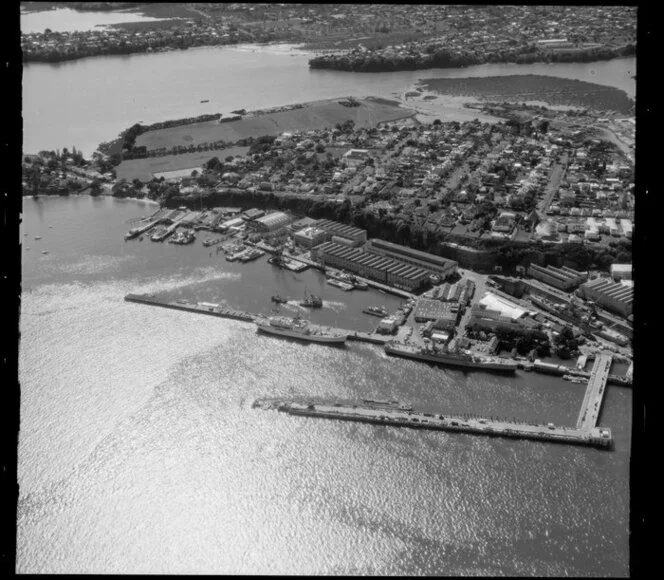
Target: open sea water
{"x":139,"y":451}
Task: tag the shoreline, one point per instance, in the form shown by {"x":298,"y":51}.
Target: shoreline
{"x":523,"y":88}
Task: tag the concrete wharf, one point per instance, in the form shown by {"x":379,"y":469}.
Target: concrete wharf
{"x":592,"y":401}
{"x":560,"y":370}
{"x":402,"y":415}
{"x":308,"y":262}
{"x":386,"y":288}
{"x":372,"y":283}
{"x":370,"y":337}
{"x":199,"y":307}
{"x":585,"y":433}
{"x":216,"y":310}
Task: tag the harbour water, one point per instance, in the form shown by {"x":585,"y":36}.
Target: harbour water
{"x":69,"y":20}
{"x":139,"y":451}
{"x":84,"y":102}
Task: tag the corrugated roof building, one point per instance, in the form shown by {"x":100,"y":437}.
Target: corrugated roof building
{"x":614,"y":296}
{"x":380,"y":268}
{"x":438,"y":264}
{"x":356,"y":235}
{"x":562,"y":278}
{"x":270,"y":222}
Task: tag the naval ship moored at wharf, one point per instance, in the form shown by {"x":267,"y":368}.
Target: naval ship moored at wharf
{"x":300,"y":329}
{"x":450,"y":358}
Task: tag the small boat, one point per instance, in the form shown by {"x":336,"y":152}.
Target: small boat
{"x":37,"y":237}
{"x":376,"y":311}
{"x":348,"y":278}
{"x":311,"y":301}
{"x":44,"y":251}
{"x":205,"y":101}
{"x":345,"y":286}
{"x":278,"y":299}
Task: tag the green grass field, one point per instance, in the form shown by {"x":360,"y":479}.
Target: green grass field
{"x":143,"y":169}
{"x":318,"y":115}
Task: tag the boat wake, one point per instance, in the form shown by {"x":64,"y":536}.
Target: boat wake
{"x":334,"y":306}
{"x":162,"y":284}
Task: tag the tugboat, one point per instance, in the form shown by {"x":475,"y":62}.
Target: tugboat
{"x":278,"y":299}
{"x":376,"y":311}
{"x":311,"y":301}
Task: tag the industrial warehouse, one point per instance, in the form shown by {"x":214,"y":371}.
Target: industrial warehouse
{"x":369,"y":265}
{"x":562,"y":278}
{"x":431,"y":262}
{"x":614,"y":296}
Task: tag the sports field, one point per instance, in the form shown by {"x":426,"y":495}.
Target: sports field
{"x":144,"y":169}
{"x":312,"y":116}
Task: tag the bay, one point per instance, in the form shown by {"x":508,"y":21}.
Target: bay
{"x":84,"y":102}
{"x":139,"y":452}
{"x":69,"y":20}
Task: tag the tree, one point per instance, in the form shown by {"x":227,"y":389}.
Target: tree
{"x":566,"y":343}
{"x":213,"y":164}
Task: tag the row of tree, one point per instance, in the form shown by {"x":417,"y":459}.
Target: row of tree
{"x":446,"y":58}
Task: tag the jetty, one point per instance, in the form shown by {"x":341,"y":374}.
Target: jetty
{"x":212,"y":309}
{"x":592,"y":401}
{"x":395,"y":414}
{"x":140,"y":230}
{"x":208,"y":308}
